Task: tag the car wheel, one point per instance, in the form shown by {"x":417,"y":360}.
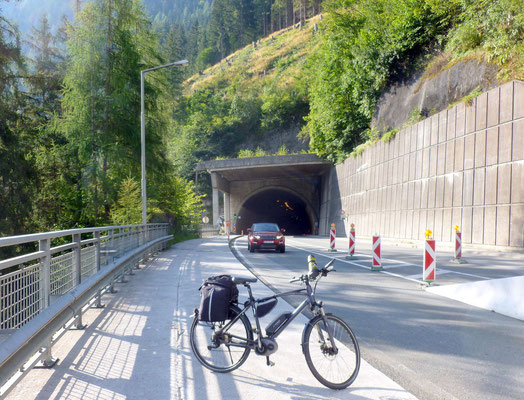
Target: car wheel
{"x":283,"y":249}
{"x":251,"y":249}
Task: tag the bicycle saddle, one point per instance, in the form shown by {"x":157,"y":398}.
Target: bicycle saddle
{"x":242,"y":281}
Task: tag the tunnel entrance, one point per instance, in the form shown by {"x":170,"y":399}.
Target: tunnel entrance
{"x":274,"y":205}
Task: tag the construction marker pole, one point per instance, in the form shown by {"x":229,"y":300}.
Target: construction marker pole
{"x":352,"y":242}
{"x":458,"y":244}
{"x":377,"y":258}
{"x":332,"y":236}
{"x":429,"y":273}
{"x":458,"y":247}
{"x":351,"y":251}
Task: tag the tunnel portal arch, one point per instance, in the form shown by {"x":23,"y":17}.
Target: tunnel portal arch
{"x":277,"y":204}
{"x":284,"y":189}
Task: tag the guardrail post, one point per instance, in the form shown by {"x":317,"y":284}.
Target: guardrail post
{"x":111,"y":245}
{"x":77,"y":273}
{"x":45,"y":273}
{"x":98,"y":303}
{"x":130,"y":268}
{"x":47,"y":360}
{"x":120,"y":242}
{"x":45,"y":291}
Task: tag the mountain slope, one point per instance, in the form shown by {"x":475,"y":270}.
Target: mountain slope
{"x":256,"y":97}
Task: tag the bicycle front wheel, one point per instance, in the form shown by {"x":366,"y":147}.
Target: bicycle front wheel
{"x":334,"y":366}
{"x":221,"y":351}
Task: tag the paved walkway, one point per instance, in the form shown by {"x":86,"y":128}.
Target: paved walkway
{"x":137,"y":347}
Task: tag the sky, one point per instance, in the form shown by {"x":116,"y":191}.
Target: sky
{"x":27,"y":13}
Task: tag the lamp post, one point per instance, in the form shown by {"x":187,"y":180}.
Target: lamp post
{"x":143,"y":74}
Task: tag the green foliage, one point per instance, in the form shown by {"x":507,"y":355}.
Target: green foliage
{"x":415,"y":116}
{"x":495,"y":27}
{"x":258,"y":152}
{"x":177,"y":202}
{"x":282,"y":150}
{"x":128,"y":208}
{"x":366,"y":44}
{"x":281,"y":107}
{"x":386,"y":137}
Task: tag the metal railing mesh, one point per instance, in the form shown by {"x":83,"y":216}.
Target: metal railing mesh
{"x":61,"y":274}
{"x":88,"y":261}
{"x":20,"y":298}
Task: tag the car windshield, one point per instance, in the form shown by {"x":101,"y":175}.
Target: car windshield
{"x":265,"y":228}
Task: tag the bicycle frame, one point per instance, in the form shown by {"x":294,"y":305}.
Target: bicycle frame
{"x":308,"y":292}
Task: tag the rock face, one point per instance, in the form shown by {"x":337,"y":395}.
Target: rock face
{"x":398,"y":103}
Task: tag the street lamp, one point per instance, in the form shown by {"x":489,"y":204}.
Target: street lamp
{"x":143,"y":131}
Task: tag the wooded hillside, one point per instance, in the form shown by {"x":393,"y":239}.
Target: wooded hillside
{"x":70,"y":127}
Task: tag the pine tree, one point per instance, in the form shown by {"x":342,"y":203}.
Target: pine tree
{"x":16,"y":170}
{"x":46,"y":80}
{"x":128,"y":209}
{"x":174,"y":50}
{"x":110,"y":42}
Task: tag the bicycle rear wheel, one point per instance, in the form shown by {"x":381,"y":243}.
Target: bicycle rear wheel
{"x":334,"y":369}
{"x":221,"y":352}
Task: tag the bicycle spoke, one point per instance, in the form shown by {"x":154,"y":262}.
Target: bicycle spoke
{"x":222,"y":346}
{"x":335,"y":369}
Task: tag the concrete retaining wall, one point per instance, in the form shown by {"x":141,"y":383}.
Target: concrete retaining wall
{"x":463,"y":166}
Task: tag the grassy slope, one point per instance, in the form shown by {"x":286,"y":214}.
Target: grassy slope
{"x":279,"y":58}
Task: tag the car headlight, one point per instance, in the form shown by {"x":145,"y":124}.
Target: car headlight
{"x":279,"y":237}
{"x":257,"y":236}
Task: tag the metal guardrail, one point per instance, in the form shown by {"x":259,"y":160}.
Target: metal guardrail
{"x":45,"y":289}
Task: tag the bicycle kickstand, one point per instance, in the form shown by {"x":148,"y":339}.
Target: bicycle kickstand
{"x":269,"y":363}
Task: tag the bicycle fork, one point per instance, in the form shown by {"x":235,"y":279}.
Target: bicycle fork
{"x":330,"y":334}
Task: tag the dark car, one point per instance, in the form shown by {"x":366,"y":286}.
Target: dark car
{"x":265,"y":235}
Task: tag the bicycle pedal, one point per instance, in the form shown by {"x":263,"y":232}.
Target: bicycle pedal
{"x":269,"y":363}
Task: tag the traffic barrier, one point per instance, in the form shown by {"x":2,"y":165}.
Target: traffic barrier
{"x":458,"y":247}
{"x":377,"y":259}
{"x":332,"y":236}
{"x":429,"y":272}
{"x":351,"y":251}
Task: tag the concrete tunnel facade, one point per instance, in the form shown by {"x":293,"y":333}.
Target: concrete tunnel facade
{"x":281,"y":189}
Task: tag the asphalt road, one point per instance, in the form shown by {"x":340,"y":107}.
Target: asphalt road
{"x":434,"y":347}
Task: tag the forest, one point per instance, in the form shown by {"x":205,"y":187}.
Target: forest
{"x":70,"y":131}
{"x":70,"y":126}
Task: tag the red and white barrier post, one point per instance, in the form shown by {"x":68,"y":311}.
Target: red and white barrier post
{"x":458,"y":247}
{"x":429,"y":272}
{"x":332,"y":236}
{"x":351,"y":250}
{"x":377,"y":258}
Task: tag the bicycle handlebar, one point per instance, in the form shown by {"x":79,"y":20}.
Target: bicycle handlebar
{"x":323,"y":272}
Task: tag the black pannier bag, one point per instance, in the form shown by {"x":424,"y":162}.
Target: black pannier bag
{"x":217,"y":293}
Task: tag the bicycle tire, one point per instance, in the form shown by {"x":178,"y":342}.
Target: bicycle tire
{"x":336,"y":371}
{"x":216,"y":358}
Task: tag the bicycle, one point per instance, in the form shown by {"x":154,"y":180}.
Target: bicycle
{"x":329,"y":345}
